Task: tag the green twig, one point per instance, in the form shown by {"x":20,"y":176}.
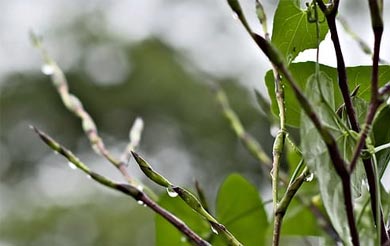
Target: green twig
{"x":322,"y":219}
{"x":187,"y":197}
{"x":250,"y":143}
{"x":73,"y":104}
{"x":285,"y":202}
{"x":201,"y":195}
{"x":362,"y":44}
{"x":128,"y":189}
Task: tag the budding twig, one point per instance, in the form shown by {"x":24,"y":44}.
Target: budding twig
{"x":128,"y":189}
{"x":187,"y":197}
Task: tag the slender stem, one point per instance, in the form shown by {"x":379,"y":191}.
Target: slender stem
{"x":277,"y":151}
{"x":280,"y":138}
{"x":180,"y":225}
{"x":187,"y":197}
{"x":249,"y":142}
{"x":362,"y":44}
{"x":127,"y":189}
{"x":284,"y":203}
{"x":74,"y":105}
{"x":347,"y":193}
{"x":201,"y":195}
{"x":341,"y":70}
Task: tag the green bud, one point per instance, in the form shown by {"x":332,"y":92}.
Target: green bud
{"x":149,"y":172}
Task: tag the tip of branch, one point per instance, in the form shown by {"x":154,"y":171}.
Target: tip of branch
{"x":137,"y":157}
{"x":37,"y":131}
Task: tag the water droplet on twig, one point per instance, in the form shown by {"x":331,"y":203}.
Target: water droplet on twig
{"x":214,"y":230}
{"x":235,"y":16}
{"x":72,"y":166}
{"x":171,"y":192}
{"x":140,"y":202}
{"x":309,"y":177}
{"x":47,"y":69}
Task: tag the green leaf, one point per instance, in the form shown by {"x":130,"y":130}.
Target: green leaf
{"x":241,"y":210}
{"x":166,"y":234}
{"x":297,"y":213}
{"x":317,"y":158}
{"x":292,"y":32}
{"x":360,"y":75}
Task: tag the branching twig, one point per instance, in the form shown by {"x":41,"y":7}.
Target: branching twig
{"x":372,"y":176}
{"x":73,"y":104}
{"x":285,"y":202}
{"x":377,"y":23}
{"x":338,"y":162}
{"x":127,"y":189}
{"x":283,"y":177}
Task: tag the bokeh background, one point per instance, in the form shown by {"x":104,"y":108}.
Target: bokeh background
{"x":156,"y":59}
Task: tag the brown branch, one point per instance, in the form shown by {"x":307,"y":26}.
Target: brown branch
{"x":372,"y":177}
{"x":330,"y":16}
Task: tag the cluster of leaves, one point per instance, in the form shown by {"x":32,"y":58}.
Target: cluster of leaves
{"x":240,"y":217}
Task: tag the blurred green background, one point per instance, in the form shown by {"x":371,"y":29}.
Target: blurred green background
{"x":156,"y":59}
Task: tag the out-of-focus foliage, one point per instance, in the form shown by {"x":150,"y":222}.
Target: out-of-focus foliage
{"x":180,"y":114}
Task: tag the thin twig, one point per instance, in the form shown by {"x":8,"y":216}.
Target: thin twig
{"x":187,"y":197}
{"x":285,"y":202}
{"x":362,"y":44}
{"x":341,"y":70}
{"x":278,"y":146}
{"x":128,"y":189}
{"x":372,"y":176}
{"x":250,"y":143}
{"x":73,"y":104}
{"x":237,"y":127}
